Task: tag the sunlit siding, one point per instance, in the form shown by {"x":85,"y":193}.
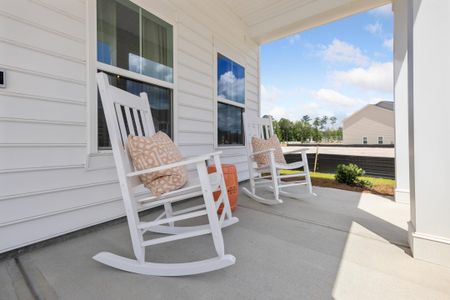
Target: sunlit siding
{"x":48,"y":185}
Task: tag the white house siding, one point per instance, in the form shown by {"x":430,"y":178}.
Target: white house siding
{"x":370,"y":122}
{"x":46,"y":187}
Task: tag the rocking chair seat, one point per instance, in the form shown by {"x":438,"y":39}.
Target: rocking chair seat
{"x":289,"y":166}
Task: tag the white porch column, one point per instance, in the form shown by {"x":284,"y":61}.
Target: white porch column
{"x":401,"y":101}
{"x":429,"y":101}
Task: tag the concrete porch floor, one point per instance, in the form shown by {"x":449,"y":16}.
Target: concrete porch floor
{"x":340,"y":245}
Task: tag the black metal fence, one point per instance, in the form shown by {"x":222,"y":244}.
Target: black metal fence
{"x":327,"y":163}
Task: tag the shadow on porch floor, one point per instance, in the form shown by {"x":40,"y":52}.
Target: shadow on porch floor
{"x":340,"y":244}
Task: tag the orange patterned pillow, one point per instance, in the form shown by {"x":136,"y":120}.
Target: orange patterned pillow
{"x":271,"y":143}
{"x":154,"y":151}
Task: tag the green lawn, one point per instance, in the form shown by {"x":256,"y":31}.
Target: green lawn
{"x":374,"y":180}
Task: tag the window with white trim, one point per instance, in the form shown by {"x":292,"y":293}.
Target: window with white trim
{"x":380,"y":140}
{"x":364,"y":140}
{"x":230,"y":101}
{"x":135,"y":49}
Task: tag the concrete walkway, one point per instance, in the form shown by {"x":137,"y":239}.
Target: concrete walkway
{"x":340,"y":245}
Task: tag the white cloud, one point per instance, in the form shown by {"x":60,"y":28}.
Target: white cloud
{"x":294,"y":38}
{"x":339,"y":51}
{"x":294,"y":103}
{"x":389,"y":44}
{"x":336,"y":98}
{"x":230,"y":87}
{"x":375,"y":28}
{"x":270,"y":93}
{"x":278,"y":112}
{"x":376,"y":77}
{"x":382,"y":11}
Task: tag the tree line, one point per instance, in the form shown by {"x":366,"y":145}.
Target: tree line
{"x":319,"y":129}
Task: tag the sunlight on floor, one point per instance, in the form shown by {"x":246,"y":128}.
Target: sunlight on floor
{"x":373,"y":270}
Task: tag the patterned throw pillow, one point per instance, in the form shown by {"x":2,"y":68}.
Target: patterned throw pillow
{"x":154,"y":151}
{"x":271,"y":143}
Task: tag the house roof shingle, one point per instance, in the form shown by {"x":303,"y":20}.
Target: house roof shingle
{"x":386,"y":105}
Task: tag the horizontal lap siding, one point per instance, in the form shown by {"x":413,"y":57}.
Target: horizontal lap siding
{"x":66,"y":221}
{"x":18,"y":157}
{"x":43,"y":87}
{"x":46,"y":187}
{"x":197,"y":31}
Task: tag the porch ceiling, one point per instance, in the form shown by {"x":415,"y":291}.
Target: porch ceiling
{"x":268,"y":20}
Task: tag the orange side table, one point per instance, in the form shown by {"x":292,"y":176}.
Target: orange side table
{"x":231,"y":181}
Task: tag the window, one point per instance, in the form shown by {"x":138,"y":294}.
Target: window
{"x":160,"y":104}
{"x":365,"y":140}
{"x":380,"y":140}
{"x":132,"y":41}
{"x":230,"y":101}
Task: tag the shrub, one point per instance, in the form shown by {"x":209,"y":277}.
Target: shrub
{"x":349,"y":174}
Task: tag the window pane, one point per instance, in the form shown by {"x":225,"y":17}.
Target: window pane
{"x":157,"y":47}
{"x":118,"y":33}
{"x":160,"y":103}
{"x":230,"y":79}
{"x":131,"y":38}
{"x":230,"y":129}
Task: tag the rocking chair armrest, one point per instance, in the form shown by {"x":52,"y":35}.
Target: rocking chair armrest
{"x":262,"y":151}
{"x":296,"y":150}
{"x":184,"y":162}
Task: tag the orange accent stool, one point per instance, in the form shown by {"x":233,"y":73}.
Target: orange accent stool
{"x":231,"y":181}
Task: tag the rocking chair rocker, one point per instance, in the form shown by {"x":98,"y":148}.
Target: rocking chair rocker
{"x":268,"y":176}
{"x":129,"y":114}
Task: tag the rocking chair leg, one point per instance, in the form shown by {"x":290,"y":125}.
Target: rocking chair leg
{"x":169,"y":212}
{"x":133,"y":220}
{"x":252,"y":177}
{"x":216,"y":231}
{"x":306,"y":170}
{"x":274,"y":173}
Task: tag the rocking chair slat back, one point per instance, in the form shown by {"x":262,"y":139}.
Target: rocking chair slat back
{"x":257,"y":127}
{"x":137,"y":122}
{"x":122,"y":117}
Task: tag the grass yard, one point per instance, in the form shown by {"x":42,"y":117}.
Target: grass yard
{"x":381,"y":186}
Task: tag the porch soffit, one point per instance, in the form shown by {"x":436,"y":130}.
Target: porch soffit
{"x":268,"y":20}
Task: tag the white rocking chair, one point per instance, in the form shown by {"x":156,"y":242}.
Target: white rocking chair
{"x":269,"y":177}
{"x":129,"y":114}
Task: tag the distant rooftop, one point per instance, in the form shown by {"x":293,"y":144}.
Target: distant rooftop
{"x":386,"y":105}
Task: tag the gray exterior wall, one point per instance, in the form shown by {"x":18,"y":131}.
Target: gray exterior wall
{"x":371,"y":122}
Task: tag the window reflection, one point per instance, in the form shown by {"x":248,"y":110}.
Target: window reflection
{"x":230,"y":125}
{"x":230,"y":79}
{"x":160,"y":103}
{"x":133,"y":39}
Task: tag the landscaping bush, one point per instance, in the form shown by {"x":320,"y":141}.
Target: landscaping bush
{"x":349,"y":174}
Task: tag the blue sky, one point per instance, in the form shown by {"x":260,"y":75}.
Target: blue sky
{"x":333,"y":70}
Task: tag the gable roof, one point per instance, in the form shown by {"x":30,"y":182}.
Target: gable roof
{"x":386,"y":105}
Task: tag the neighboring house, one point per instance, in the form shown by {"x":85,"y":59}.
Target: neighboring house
{"x":373,"y":124}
